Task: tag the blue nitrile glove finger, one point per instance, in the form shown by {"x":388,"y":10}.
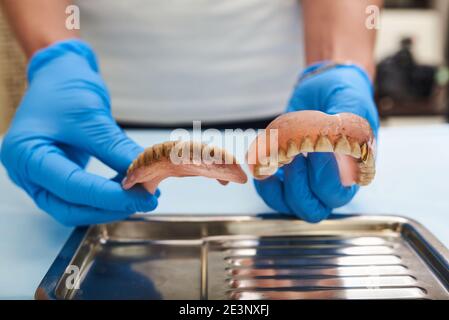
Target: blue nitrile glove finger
{"x":70,"y":214}
{"x":119,"y":177}
{"x":298,"y":195}
{"x":311,"y":186}
{"x":64,"y":118}
{"x":50,"y":168}
{"x":323,"y":167}
{"x":78,"y":156}
{"x":272,"y":191}
{"x":291,"y":183}
{"x":289,"y":191}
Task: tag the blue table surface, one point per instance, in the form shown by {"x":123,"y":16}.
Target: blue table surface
{"x":412,"y":178}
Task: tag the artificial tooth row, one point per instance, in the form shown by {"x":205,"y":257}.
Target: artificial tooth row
{"x":163,"y":150}
{"x":323,"y":144}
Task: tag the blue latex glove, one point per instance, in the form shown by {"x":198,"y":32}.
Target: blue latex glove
{"x":63,"y":119}
{"x":309,"y":187}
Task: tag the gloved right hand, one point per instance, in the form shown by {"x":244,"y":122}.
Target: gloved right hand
{"x":63,"y":119}
{"x":310,"y":187}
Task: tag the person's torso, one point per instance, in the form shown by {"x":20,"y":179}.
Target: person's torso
{"x":172,"y":62}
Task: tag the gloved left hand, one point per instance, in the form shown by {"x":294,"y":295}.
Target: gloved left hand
{"x":309,"y":187}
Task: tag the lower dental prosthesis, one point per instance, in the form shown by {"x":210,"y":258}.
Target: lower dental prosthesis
{"x":182,"y":159}
{"x":347,"y":135}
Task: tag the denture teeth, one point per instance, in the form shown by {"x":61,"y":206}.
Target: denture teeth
{"x":368,"y":164}
{"x":211,"y":152}
{"x":131,"y":168}
{"x":366,"y":177}
{"x":306,"y":145}
{"x":141,"y":159}
{"x":367,"y":168}
{"x":283,"y":158}
{"x":218,"y":155}
{"x":195,"y":152}
{"x":342,"y":146}
{"x":323,"y":145}
{"x":192,"y":148}
{"x":182,"y":148}
{"x":356,"y":152}
{"x":292,"y":149}
{"x":227,"y":158}
{"x":207,"y":152}
{"x":368,"y":173}
{"x":364,"y":182}
{"x":262,"y":170}
{"x":167,"y":147}
{"x":157,"y":152}
{"x":364,"y":152}
{"x":148,"y":156}
{"x":370,"y":159}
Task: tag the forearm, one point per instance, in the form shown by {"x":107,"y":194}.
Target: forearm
{"x":38,"y":23}
{"x":335,"y":30}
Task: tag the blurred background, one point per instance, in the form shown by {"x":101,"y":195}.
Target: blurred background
{"x":412,"y":57}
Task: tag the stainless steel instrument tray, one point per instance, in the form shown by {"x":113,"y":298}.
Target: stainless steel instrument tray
{"x":250,"y":257}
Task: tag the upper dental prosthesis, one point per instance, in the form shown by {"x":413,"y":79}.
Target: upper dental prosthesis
{"x":347,"y":135}
{"x":182,"y":159}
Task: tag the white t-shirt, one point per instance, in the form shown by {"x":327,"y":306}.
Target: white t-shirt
{"x":175,"y":61}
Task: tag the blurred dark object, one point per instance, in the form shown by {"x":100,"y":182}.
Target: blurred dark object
{"x":404,"y":87}
{"x":446,"y":59}
{"x":408,"y":4}
{"x":400,"y":77}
